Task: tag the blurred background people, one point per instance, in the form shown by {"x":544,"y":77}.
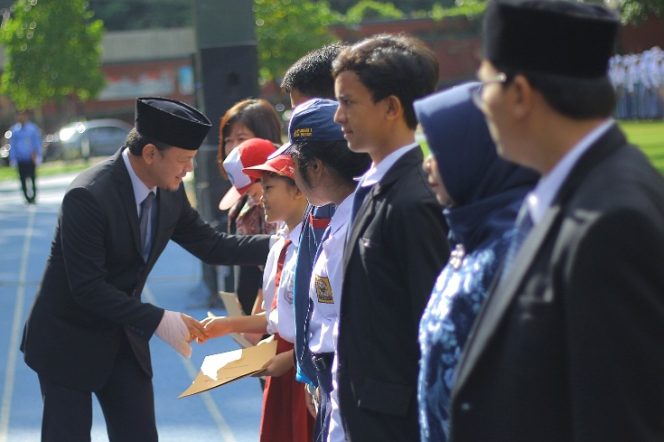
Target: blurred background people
{"x":26,"y":153}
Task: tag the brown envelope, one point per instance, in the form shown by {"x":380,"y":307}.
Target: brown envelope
{"x":222,"y":368}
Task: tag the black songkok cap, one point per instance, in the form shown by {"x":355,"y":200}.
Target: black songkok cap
{"x":171,"y":122}
{"x":550,"y":36}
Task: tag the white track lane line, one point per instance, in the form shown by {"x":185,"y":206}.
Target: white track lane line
{"x":217,"y":417}
{"x":10,"y":370}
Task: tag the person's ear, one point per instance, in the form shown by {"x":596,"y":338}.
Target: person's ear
{"x":149,"y":152}
{"x":522,"y":96}
{"x":394,"y":109}
{"x":316,"y":168}
{"x":297,"y":193}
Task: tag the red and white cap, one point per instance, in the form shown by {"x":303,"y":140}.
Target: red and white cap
{"x":281,"y":165}
{"x":251,"y":152}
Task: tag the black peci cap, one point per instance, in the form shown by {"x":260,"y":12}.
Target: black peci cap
{"x":171,"y":122}
{"x":550,"y":36}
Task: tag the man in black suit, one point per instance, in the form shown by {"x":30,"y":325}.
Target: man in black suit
{"x":397,"y":243}
{"x":568,"y":346}
{"x":88,"y":330}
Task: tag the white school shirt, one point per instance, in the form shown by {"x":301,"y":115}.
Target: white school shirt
{"x":326,"y":281}
{"x":281,"y":320}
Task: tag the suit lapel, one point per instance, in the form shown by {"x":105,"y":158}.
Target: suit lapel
{"x":127,"y":198}
{"x":364,"y":215}
{"x":368,"y":208}
{"x":502,"y":294}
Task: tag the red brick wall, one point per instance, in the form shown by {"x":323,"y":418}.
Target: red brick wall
{"x":456,"y":41}
{"x":639,"y":37}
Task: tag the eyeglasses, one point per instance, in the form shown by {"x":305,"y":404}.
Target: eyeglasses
{"x":479,"y":90}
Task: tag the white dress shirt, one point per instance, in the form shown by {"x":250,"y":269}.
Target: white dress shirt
{"x":377,"y":171}
{"x":539,"y":200}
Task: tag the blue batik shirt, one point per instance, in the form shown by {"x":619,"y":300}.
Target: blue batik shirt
{"x":455,"y":302}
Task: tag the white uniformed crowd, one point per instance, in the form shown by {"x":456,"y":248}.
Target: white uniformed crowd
{"x":639,"y":83}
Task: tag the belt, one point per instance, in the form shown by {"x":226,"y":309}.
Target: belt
{"x":322,"y":361}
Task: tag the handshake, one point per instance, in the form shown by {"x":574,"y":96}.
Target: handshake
{"x":179,"y":329}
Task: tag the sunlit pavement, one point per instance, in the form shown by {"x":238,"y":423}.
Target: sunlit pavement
{"x":228,"y":413}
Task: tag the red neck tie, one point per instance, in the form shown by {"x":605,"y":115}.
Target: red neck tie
{"x":280,"y":267}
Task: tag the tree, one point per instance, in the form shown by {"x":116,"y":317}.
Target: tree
{"x":370,"y":9}
{"x":635,"y":10}
{"x":287,"y":29}
{"x":407,"y":6}
{"x":53,"y":50}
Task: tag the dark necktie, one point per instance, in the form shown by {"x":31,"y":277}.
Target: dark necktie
{"x":523,"y":226}
{"x":280,"y":267}
{"x":143,"y":225}
{"x":359,"y":197}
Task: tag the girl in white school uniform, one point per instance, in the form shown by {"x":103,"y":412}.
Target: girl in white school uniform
{"x":284,"y":416}
{"x":324,"y":172}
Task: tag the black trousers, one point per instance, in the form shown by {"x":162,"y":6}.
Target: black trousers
{"x":323,"y":366}
{"x":249,"y":280}
{"x":26,"y":171}
{"x":127,"y":401}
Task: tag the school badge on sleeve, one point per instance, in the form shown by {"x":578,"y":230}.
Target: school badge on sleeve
{"x":323,"y":290}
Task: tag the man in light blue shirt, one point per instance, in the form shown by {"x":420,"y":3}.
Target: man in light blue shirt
{"x":25,"y":153}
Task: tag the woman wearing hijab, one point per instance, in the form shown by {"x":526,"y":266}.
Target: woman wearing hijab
{"x":482,"y":195}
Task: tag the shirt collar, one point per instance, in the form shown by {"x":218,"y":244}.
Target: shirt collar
{"x":341,"y":214}
{"x":540,"y":199}
{"x":140,"y":189}
{"x":294,"y":235}
{"x":377,"y":171}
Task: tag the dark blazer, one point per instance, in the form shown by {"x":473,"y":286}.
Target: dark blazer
{"x":569,"y":346}
{"x":89,"y":298}
{"x":396,"y":248}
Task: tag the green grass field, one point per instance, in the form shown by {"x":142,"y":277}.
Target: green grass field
{"x":649,"y":136}
{"x":46,"y":169}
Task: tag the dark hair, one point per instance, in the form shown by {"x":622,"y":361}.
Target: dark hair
{"x":312,"y":74}
{"x":135,"y":143}
{"x":257,"y":115}
{"x":396,"y":65}
{"x":290,"y":181}
{"x":578,"y":98}
{"x":335,"y":155}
